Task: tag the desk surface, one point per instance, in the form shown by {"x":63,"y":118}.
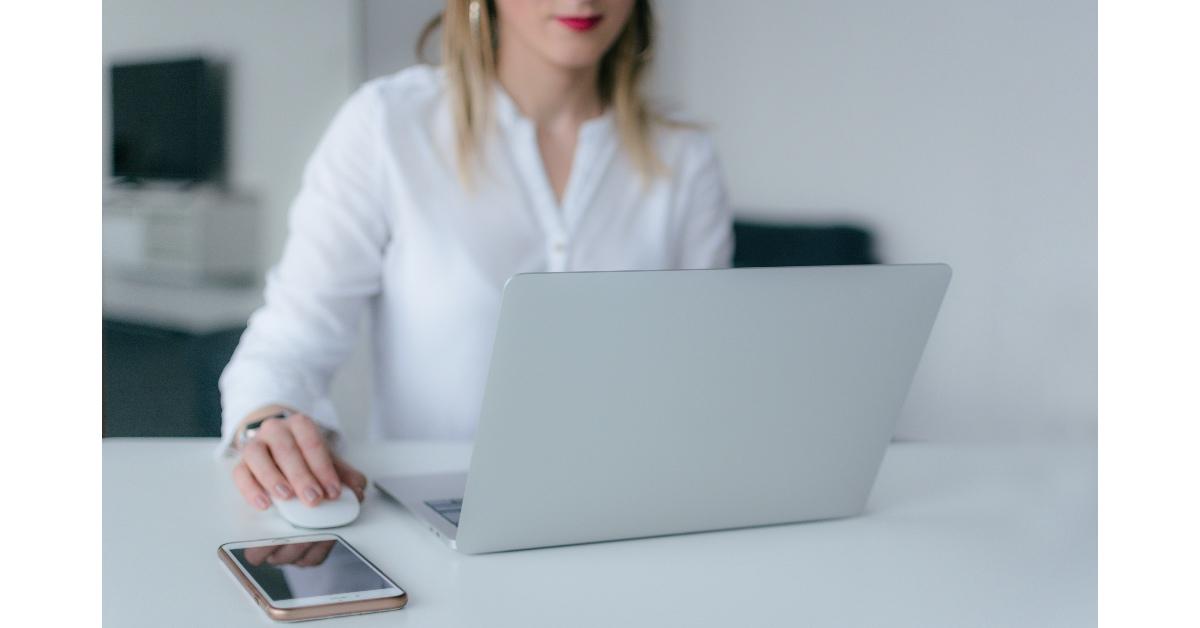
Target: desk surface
{"x":955,"y":535}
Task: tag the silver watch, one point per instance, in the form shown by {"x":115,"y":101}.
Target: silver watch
{"x":252,"y":427}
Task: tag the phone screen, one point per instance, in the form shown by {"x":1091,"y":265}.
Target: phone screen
{"x":308,"y":569}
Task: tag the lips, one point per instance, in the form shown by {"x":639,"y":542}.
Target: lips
{"x":580,"y":23}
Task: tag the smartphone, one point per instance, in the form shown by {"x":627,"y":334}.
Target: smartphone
{"x":310,"y":577}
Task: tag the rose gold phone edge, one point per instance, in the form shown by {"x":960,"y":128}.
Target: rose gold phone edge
{"x":337,"y":609}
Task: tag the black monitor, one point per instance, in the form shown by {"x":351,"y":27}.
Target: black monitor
{"x":168,"y":120}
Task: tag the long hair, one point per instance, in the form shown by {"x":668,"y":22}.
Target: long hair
{"x":469,"y":58}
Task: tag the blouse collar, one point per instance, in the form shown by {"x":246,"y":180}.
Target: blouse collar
{"x":509,"y":116}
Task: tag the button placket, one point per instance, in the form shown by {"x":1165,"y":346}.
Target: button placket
{"x":558,"y":253}
{"x":593,"y":151}
{"x":542,"y":197}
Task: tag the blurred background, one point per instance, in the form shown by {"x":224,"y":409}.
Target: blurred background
{"x":851,"y":131}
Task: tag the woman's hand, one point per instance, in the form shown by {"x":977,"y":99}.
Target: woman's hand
{"x":299,"y":554}
{"x":290,"y":458}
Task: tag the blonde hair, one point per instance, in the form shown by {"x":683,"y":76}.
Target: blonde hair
{"x":469,"y":58}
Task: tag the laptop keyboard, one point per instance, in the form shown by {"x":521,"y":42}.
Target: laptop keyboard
{"x":447,"y":508}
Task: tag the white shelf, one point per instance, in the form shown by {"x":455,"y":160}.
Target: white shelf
{"x":193,"y":309}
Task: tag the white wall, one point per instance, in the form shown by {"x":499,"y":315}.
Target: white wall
{"x":390,"y":31}
{"x":965,"y":132}
{"x":292,"y":63}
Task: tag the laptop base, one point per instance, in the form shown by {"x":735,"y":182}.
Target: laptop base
{"x":415,"y":492}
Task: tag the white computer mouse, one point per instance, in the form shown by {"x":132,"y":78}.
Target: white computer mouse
{"x":330,"y":513}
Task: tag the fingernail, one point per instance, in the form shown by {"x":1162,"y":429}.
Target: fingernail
{"x":282,"y":491}
{"x":310,"y":495}
{"x":334,"y":491}
{"x":262,"y":502}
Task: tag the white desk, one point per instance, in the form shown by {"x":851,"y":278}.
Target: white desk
{"x":955,"y":535}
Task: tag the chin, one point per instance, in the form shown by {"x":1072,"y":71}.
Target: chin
{"x":576,"y":57}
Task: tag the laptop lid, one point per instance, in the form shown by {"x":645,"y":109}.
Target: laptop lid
{"x":642,"y":403}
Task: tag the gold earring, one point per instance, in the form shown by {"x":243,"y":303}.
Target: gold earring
{"x":473,"y":16}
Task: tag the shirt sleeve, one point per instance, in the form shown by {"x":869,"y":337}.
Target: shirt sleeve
{"x":706,"y":219}
{"x":338,"y":230}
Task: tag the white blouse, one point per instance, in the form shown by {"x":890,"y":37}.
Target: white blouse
{"x":382,"y":224}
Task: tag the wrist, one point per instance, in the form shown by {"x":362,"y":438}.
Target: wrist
{"x":251,"y":424}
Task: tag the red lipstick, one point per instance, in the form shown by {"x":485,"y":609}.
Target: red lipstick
{"x":581,"y":23}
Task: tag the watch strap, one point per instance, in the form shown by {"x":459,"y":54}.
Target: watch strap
{"x":250,"y":429}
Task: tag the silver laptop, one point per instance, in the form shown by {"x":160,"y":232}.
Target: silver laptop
{"x":634,"y":404}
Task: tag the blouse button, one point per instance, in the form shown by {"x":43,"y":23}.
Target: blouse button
{"x":559,"y":247}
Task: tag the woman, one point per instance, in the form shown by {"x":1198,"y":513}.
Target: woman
{"x":529,"y":149}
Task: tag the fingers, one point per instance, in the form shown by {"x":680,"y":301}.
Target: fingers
{"x":257,"y":456}
{"x":287,"y":554}
{"x":278,"y":437}
{"x":312,"y":445}
{"x":249,"y":487}
{"x":351,"y":477}
{"x":316,"y":554}
{"x":256,"y":555}
{"x":289,"y":457}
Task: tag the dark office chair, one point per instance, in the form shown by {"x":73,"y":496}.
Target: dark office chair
{"x":764,"y":244}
